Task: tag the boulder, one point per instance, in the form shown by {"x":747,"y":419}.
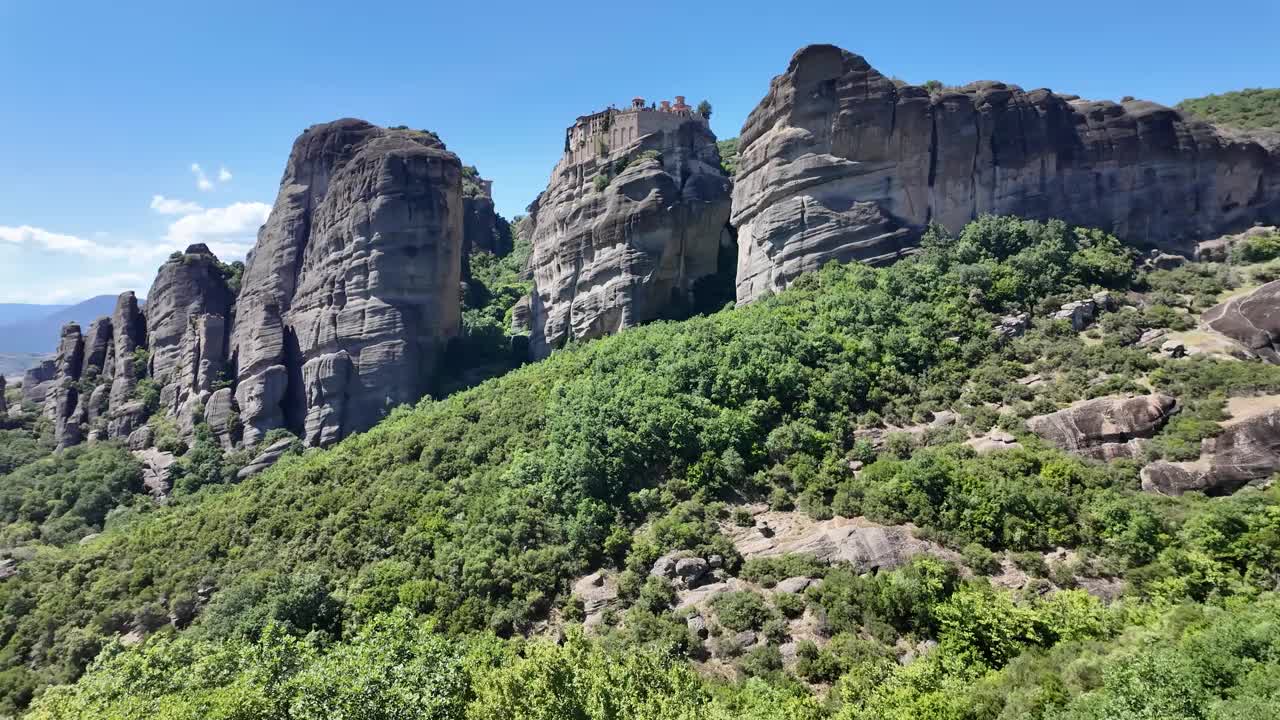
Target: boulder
{"x":142,"y":438}
{"x":665,"y":566}
{"x":690,"y":571}
{"x":1105,"y":428}
{"x":1251,"y":319}
{"x":793,"y":585}
{"x":156,"y":468}
{"x":697,"y":626}
{"x":838,"y":162}
{"x":361,"y":258}
{"x":1165,"y":261}
{"x":994,"y":440}
{"x":1247,"y":452}
{"x":1012,"y":326}
{"x":631,"y":228}
{"x":1079,"y":313}
{"x":265,"y":459}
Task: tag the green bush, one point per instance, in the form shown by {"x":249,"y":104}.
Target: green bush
{"x":740,"y":610}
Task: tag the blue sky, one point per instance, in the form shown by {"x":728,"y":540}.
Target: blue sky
{"x":106,"y":108}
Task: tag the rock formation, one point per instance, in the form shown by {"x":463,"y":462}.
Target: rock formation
{"x":1105,"y":428}
{"x":633,"y":219}
{"x":840,"y":163}
{"x":352,"y":289}
{"x":129,"y":327}
{"x":188,"y":320}
{"x":347,"y":301}
{"x":4,"y":402}
{"x":1246,"y":452}
{"x":1251,"y":319}
{"x":483,"y":229}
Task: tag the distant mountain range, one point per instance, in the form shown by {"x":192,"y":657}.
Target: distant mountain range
{"x":34,"y":329}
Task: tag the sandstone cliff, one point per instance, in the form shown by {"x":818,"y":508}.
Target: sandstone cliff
{"x":610,"y":256}
{"x":352,"y":289}
{"x":839,"y":163}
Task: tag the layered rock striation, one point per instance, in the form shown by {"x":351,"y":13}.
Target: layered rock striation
{"x":838,"y":162}
{"x":630,"y":228}
{"x":345,"y":305}
{"x":1105,"y":428}
{"x":1251,"y":319}
{"x":352,"y":289}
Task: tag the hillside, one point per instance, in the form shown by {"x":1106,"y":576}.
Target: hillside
{"x":37,"y":332}
{"x":1251,"y":109}
{"x":382,"y":573}
{"x":11,"y":313}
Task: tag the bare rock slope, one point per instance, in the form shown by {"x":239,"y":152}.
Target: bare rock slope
{"x":840,"y":163}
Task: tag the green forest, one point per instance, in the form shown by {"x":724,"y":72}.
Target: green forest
{"x":1251,"y":109}
{"x":428,"y":568}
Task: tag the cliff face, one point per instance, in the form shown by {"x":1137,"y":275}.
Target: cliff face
{"x":352,"y":289}
{"x":606,"y":258}
{"x":188,"y":321}
{"x":347,"y":301}
{"x":839,"y":163}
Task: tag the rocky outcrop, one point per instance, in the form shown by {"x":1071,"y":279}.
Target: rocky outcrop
{"x":4,"y":402}
{"x":483,"y":229}
{"x":1105,"y":428}
{"x":63,"y":404}
{"x":838,"y":162}
{"x":129,"y":329}
{"x":36,"y":382}
{"x":352,"y":289}
{"x":627,"y":235}
{"x":188,"y":317}
{"x":269,"y":456}
{"x":1247,"y":452}
{"x":1251,"y":319}
{"x":864,"y":545}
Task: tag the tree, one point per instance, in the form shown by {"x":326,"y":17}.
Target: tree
{"x":704,"y":109}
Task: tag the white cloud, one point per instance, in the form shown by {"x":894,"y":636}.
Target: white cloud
{"x":231,"y":224}
{"x":224,"y":175}
{"x":28,"y":236}
{"x":202,"y":180}
{"x":77,"y":288}
{"x":173,"y":206}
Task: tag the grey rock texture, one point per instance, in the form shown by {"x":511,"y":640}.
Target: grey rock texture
{"x":188,"y":316}
{"x":62,"y":401}
{"x":157,"y":467}
{"x":352,"y":289}
{"x":864,"y":545}
{"x":1247,"y":452}
{"x":1105,"y":428}
{"x":1252,"y":319}
{"x":130,"y":333}
{"x":4,"y":403}
{"x":839,"y":163}
{"x":265,"y":459}
{"x":483,"y":229}
{"x":98,"y":355}
{"x":604,"y":260}
{"x":36,"y":382}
